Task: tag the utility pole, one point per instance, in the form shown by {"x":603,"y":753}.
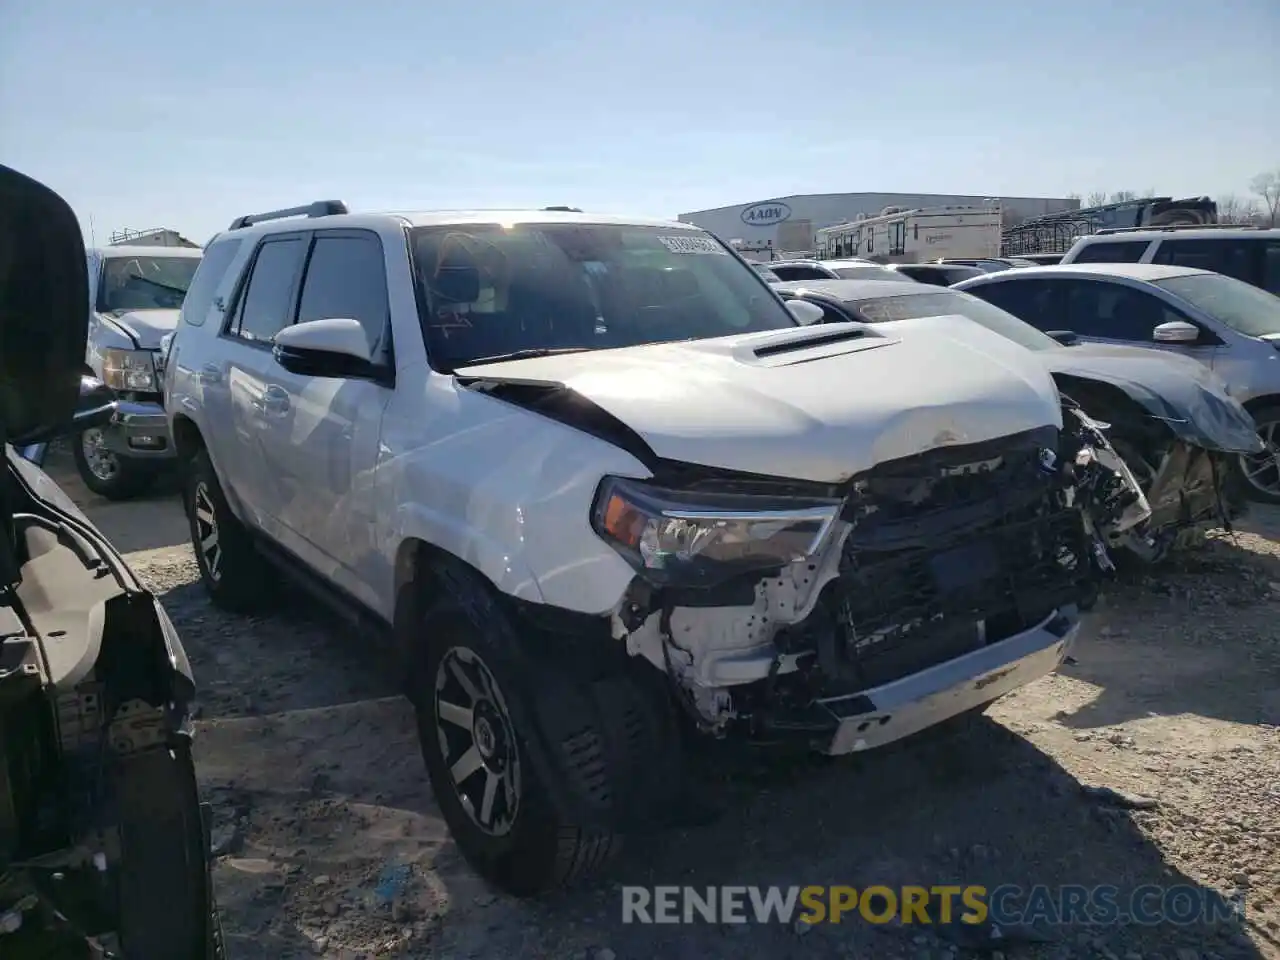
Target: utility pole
{"x":93,"y":240}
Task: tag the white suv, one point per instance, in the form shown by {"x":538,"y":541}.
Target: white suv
{"x":595,"y":482}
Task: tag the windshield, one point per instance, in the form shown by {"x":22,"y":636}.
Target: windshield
{"x":489,"y":290}
{"x":144,"y":283}
{"x":912,"y":306}
{"x":865,"y":273}
{"x":1239,"y":305}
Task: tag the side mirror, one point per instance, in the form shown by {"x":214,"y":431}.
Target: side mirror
{"x":1067,"y":338}
{"x":805,"y":312}
{"x":1176,"y":331}
{"x":332,"y":347}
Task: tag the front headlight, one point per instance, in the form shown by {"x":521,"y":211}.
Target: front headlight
{"x":696,"y":539}
{"x":129,"y":370}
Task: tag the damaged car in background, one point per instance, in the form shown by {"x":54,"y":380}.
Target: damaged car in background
{"x":103,"y":839}
{"x":611,"y":491}
{"x":1168,"y":419}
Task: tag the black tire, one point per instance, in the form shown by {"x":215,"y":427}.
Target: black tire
{"x":528,"y":847}
{"x":233,"y":572}
{"x":1268,"y":421}
{"x":165,"y":900}
{"x":124,"y":479}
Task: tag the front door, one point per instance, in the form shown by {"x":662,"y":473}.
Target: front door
{"x":320,"y":434}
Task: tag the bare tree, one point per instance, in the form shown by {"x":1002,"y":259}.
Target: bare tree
{"x":1235,"y":209}
{"x":1120,"y":196}
{"x":1267,"y":186}
{"x":1096,"y":199}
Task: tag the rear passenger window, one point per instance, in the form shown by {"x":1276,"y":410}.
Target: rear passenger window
{"x":213,"y":267}
{"x":1032,"y":301}
{"x":800,"y":273}
{"x":1235,"y":258}
{"x":268,"y":302}
{"x":1118,"y":251}
{"x":346,"y":277}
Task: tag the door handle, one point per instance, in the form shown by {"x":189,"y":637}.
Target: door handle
{"x":209,"y":373}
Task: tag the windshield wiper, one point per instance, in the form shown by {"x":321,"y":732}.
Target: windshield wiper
{"x":157,"y":283}
{"x":528,"y":354}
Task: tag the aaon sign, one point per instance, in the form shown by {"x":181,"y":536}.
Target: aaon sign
{"x":766,"y":214}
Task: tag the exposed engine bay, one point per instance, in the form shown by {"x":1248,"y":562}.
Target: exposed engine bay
{"x":100,"y":819}
{"x":933,"y":556}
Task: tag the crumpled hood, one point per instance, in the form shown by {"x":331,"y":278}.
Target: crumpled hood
{"x":146,"y":326}
{"x":1179,"y":390}
{"x":818,"y":403}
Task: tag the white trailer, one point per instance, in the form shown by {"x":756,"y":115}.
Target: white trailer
{"x":916,"y":236}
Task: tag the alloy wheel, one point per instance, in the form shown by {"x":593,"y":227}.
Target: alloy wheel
{"x":477,"y":741}
{"x":1262,"y":470}
{"x":206,"y":524}
{"x":102,"y":463}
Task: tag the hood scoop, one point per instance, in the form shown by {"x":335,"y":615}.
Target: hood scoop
{"x":808,"y":344}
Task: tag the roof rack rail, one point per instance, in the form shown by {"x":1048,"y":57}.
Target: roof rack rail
{"x":562,"y":209}
{"x":1181,"y":226}
{"x":320,"y":208}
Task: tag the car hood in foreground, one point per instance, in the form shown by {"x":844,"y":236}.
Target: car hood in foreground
{"x":820,"y":403}
{"x":1182,"y":392}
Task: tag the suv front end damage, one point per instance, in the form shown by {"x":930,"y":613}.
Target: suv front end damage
{"x":923,"y":588}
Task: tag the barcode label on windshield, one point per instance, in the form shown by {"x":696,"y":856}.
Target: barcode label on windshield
{"x":692,"y":245}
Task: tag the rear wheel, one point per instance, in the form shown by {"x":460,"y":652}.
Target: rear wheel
{"x":232,"y":570}
{"x":1261,"y":472}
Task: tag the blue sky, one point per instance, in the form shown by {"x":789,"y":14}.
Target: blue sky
{"x":188,"y":114}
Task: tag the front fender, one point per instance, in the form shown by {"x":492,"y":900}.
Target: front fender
{"x":1193,"y":410}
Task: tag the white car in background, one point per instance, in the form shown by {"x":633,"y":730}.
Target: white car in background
{"x":135,"y":293}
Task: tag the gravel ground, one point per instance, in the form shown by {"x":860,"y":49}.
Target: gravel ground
{"x":330,"y":844}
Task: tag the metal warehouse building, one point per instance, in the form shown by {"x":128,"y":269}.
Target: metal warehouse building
{"x":789,"y":223}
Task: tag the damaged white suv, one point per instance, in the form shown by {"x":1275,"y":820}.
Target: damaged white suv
{"x":599,"y":486}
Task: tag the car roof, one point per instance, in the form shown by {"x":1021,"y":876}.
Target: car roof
{"x":437,"y":218}
{"x":1206,"y":233}
{"x":1148,"y":272}
{"x":133,"y":250}
{"x":850,"y":291}
{"x":814,"y":262}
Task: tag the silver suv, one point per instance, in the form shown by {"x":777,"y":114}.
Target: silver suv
{"x":1245,"y":253}
{"x":1230,"y":326}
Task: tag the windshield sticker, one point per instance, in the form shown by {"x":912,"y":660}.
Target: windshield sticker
{"x":692,"y":245}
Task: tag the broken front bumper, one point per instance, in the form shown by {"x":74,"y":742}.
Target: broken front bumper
{"x":879,"y":716}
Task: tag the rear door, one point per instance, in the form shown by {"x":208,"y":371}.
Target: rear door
{"x":265,"y":306}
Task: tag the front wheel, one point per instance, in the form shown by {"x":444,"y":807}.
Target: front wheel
{"x":1261,"y":472}
{"x":470,"y":727}
{"x":106,"y":472}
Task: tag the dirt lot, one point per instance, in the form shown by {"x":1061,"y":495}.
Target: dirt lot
{"x":330,"y":843}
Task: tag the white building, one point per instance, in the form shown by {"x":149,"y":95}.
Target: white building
{"x":790,"y":223}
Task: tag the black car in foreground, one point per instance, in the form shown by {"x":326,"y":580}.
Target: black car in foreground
{"x":1170,"y":419}
{"x":103,"y":839}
